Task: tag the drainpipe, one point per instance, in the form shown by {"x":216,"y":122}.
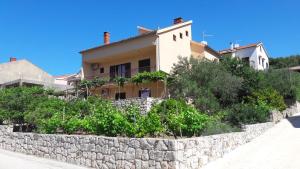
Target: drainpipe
{"x":157,"y":54}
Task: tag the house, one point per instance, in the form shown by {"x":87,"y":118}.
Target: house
{"x":295,"y":68}
{"x":68,"y":79}
{"x":23,"y":73}
{"x":150,"y":50}
{"x":255,"y":54}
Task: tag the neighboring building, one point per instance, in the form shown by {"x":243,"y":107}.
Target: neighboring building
{"x":295,"y":68}
{"x":151,"y":50}
{"x":69,"y":79}
{"x":24,"y":73}
{"x":255,"y":54}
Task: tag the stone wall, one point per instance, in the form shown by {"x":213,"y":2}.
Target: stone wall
{"x":193,"y":153}
{"x":276,"y":115}
{"x":144,"y":104}
{"x":116,"y":152}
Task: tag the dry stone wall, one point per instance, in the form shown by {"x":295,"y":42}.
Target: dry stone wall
{"x":276,"y":115}
{"x":132,"y":153}
{"x":144,"y":104}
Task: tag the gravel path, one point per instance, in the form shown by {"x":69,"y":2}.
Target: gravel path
{"x":11,"y":160}
{"x":277,"y":148}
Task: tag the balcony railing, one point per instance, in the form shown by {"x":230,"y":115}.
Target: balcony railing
{"x":125,"y":74}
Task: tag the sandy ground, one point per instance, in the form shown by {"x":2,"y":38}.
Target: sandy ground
{"x":277,"y":148}
{"x":11,"y":160}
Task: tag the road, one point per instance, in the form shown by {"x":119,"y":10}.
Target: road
{"x":277,"y":148}
{"x":12,"y":160}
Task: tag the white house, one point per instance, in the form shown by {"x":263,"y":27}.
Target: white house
{"x":255,"y":54}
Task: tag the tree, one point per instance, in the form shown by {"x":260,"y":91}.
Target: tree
{"x":207,"y":84}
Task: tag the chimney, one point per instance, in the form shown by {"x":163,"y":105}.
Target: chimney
{"x":178,"y":20}
{"x":12,"y":59}
{"x":106,"y":37}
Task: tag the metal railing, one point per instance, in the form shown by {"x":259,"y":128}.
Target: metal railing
{"x":110,"y":76}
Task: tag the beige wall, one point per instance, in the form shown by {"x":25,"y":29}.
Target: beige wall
{"x":120,"y":48}
{"x":169,"y":50}
{"x":130,"y":57}
{"x":199,"y":51}
{"x":132,"y":90}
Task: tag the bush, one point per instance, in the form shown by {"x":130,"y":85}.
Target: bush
{"x":248,"y":114}
{"x":269,"y":96}
{"x":218,"y":127}
{"x":181,"y":119}
{"x":14,"y":102}
{"x":208,"y":84}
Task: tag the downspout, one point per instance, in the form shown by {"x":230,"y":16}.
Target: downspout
{"x":157,"y":54}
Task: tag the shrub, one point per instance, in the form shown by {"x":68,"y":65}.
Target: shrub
{"x":269,"y":96}
{"x":43,"y":109}
{"x":208,"y":84}
{"x":14,"y":102}
{"x":248,"y":114}
{"x":181,"y":119}
{"x":217,"y":127}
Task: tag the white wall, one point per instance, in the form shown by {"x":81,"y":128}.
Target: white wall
{"x":169,"y":50}
{"x":253,"y":53}
{"x":263,"y":54}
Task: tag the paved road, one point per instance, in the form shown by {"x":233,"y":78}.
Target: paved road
{"x":277,"y":148}
{"x":11,"y":160}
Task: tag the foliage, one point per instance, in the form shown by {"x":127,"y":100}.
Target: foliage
{"x":42,"y":109}
{"x":242,"y":113}
{"x":251,"y":79}
{"x":208,"y":84}
{"x":269,"y":96}
{"x":97,"y":116}
{"x":86,"y":85}
{"x":218,"y":127}
{"x":14,"y":102}
{"x":181,"y":119}
{"x":284,"y":62}
{"x":146,"y":77}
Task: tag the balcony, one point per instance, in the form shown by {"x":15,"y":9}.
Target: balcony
{"x":122,"y":73}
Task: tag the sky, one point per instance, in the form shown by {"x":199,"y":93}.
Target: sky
{"x":50,"y":33}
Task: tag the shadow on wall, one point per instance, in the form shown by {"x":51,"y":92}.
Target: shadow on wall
{"x":295,"y":121}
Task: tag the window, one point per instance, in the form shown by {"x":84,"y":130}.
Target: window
{"x":122,"y":70}
{"x":120,"y":96}
{"x":186,"y":33}
{"x":246,"y":59}
{"x":259,"y":59}
{"x":263,"y":62}
{"x":144,"y":65}
{"x":174,"y":37}
{"x":101,"y":70}
{"x":180,"y":35}
{"x":144,"y":93}
{"x":260,"y":48}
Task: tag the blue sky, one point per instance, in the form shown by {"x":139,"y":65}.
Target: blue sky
{"x":50,"y":33}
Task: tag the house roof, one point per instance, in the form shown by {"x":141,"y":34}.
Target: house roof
{"x":121,"y":41}
{"x":151,"y":32}
{"x":208,"y":48}
{"x":225,"y":51}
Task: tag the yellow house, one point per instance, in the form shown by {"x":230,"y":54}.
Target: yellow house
{"x":150,"y":50}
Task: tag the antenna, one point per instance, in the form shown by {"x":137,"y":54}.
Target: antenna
{"x":204,"y":35}
{"x":237,"y":41}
